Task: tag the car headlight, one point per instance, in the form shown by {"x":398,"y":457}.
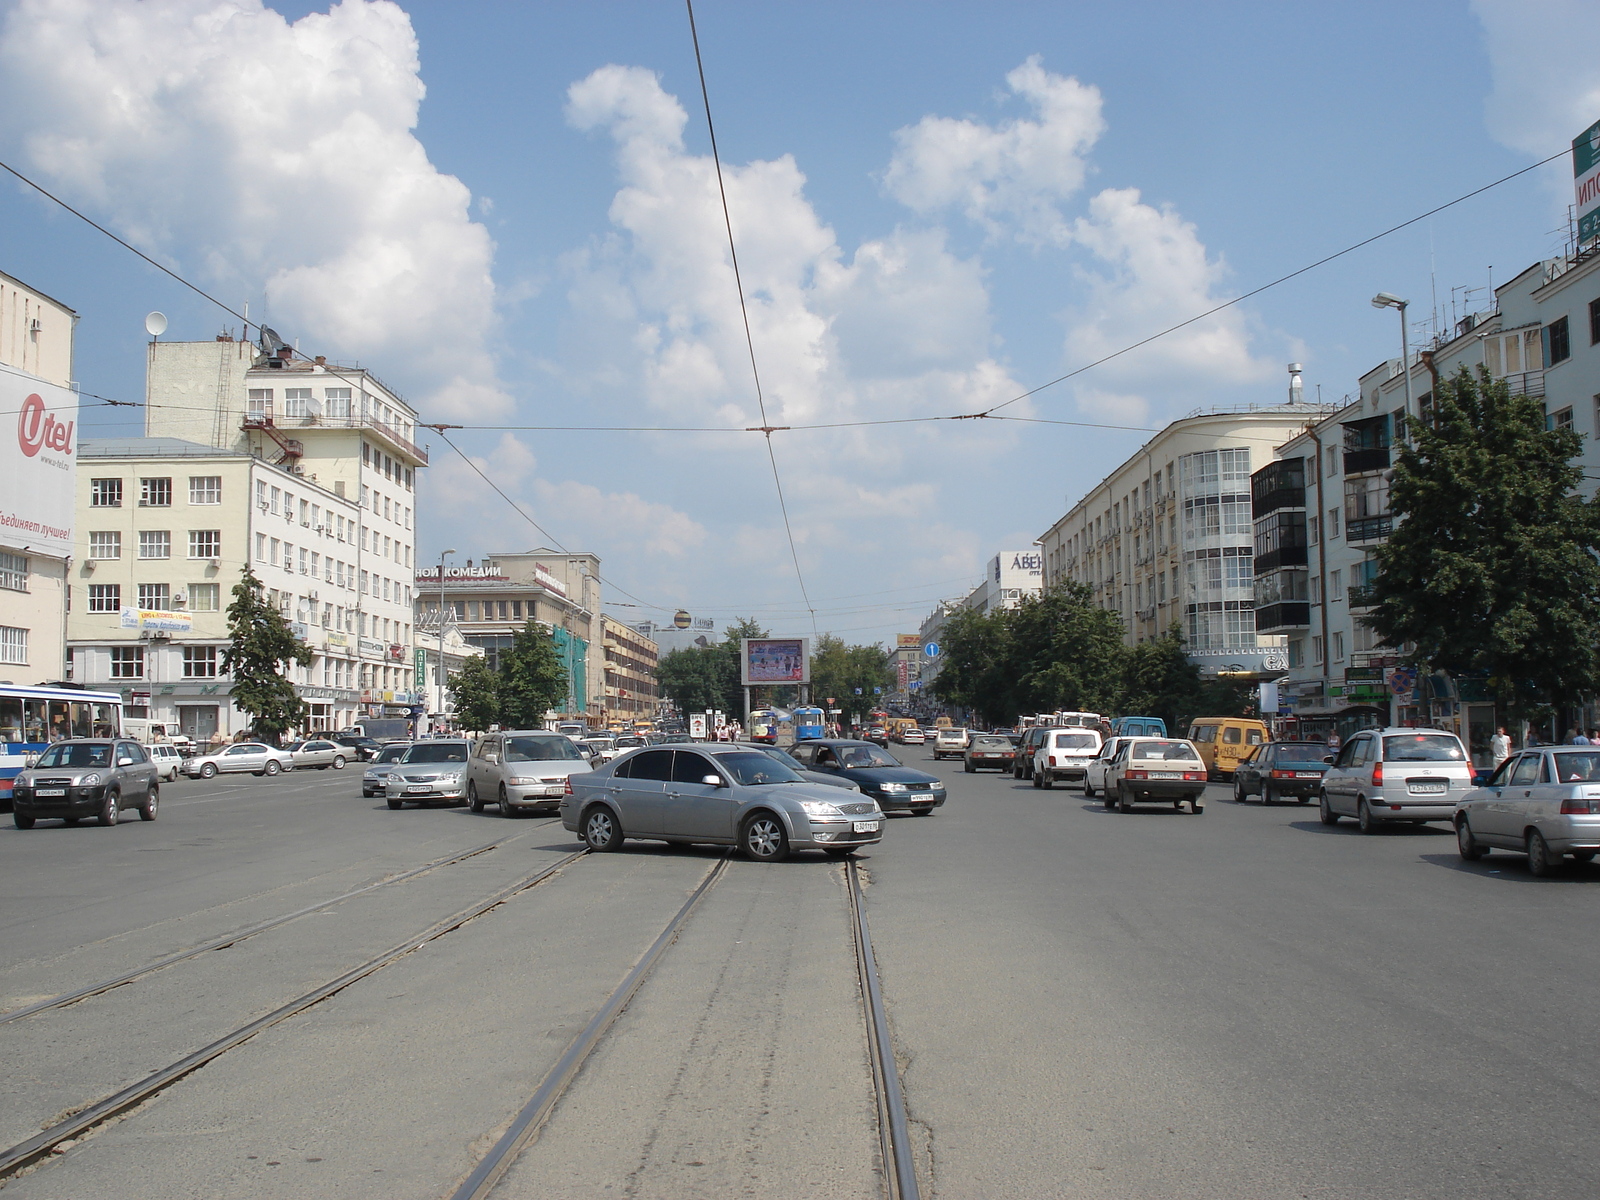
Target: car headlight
{"x":519,"y":781}
{"x":821,"y":808}
{"x":891,"y":787}
{"x":90,"y":779}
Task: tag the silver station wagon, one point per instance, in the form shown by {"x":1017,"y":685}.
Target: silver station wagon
{"x":1543,"y":803}
{"x":1396,"y":774}
{"x":721,"y":795}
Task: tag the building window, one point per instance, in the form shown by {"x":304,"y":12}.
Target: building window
{"x":155,"y":493}
{"x":1297,"y":652}
{"x":261,"y":547}
{"x":205,"y":489}
{"x":1338,"y":647}
{"x":1561,"y":420}
{"x":337,"y":401}
{"x":105,"y":493}
{"x":259,"y":404}
{"x":105,"y":597}
{"x":13,"y":572}
{"x":516,"y":609}
{"x":205,"y":543}
{"x":199,"y":662}
{"x":105,"y":544}
{"x":155,"y":596}
{"x":13,"y":646}
{"x":127,"y":662}
{"x":1313,"y":531}
{"x":204,"y":597}
{"x":1594,"y":322}
{"x":297,"y":402}
{"x":1335,"y":586}
{"x":1333,"y":515}
{"x":1316,"y":651}
{"x":1557,"y":342}
{"x":155,"y":543}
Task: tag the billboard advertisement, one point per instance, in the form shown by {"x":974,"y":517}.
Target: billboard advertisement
{"x":774,"y":660}
{"x":1586,"y":183}
{"x":155,"y":620}
{"x":907,"y":641}
{"x":38,"y":464}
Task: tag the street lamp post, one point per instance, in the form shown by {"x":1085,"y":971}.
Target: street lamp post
{"x":442,"y":555}
{"x":1387,"y":300}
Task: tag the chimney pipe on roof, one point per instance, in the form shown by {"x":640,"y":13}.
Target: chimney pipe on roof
{"x":1297,"y":392}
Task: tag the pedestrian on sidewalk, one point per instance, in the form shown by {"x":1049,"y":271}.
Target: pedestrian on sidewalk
{"x":1576,"y":738}
{"x":1500,"y":746}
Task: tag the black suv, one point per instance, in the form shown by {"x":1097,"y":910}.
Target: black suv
{"x":366,"y":748}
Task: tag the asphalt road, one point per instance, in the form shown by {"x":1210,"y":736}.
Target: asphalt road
{"x":1084,"y":1003}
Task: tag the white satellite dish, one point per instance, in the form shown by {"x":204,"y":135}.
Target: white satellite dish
{"x":155,"y":324}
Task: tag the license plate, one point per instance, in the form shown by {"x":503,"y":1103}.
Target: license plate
{"x":419,"y":787}
{"x":1166,"y":774}
{"x":1428,"y":789}
{"x":1308,"y":774}
{"x":50,"y":792}
{"x":866,"y":827}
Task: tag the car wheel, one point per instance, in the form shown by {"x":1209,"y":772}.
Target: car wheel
{"x":922,"y":812}
{"x":1238,"y":790}
{"x":1304,"y":800}
{"x":507,"y":809}
{"x":1088,"y":788}
{"x":1466,"y":844}
{"x":22,"y":820}
{"x":109,"y":812}
{"x":473,"y":803}
{"x":1325,"y":810}
{"x":272,"y":767}
{"x":970,"y":768}
{"x":763,"y":840}
{"x":1267,"y":796}
{"x":395,"y":802}
{"x":338,"y":762}
{"x":1541,"y":862}
{"x":147,"y":810}
{"x":1037,"y":782}
{"x":1364,"y":818}
{"x":1049,"y":779}
{"x":1196,"y":807}
{"x":208,"y":771}
{"x":600,"y":830}
{"x":1124,"y":804}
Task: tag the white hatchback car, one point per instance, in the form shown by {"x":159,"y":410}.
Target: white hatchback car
{"x":167,"y":758}
{"x":951,"y":743}
{"x":1094,"y":775}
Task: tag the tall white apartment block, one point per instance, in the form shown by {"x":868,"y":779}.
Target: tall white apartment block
{"x":339,"y":429}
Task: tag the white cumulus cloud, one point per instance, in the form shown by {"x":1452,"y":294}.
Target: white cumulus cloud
{"x":1545,"y":74}
{"x":274,"y":157}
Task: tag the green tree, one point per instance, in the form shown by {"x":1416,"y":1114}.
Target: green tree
{"x":979,"y":666}
{"x":261,"y":649}
{"x":476,"y":692}
{"x":533,"y":679}
{"x":1072,"y":652}
{"x":690,"y":678}
{"x":1492,"y":565}
{"x":837,"y":670}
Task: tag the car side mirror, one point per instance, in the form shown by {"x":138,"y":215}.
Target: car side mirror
{"x":1328,"y":758}
{"x":494,"y":758}
{"x":124,"y":762}
{"x":713,"y":781}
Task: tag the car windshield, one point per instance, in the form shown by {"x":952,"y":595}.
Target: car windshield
{"x":866,"y":756}
{"x":1422,"y":747}
{"x":783,"y":756}
{"x":1302,"y":752}
{"x":1580,"y":767}
{"x":1076,"y":741}
{"x":1163,"y":751}
{"x":76,"y":756}
{"x":541,"y":749}
{"x":391,"y":753}
{"x":628,"y":743}
{"x":432,"y":752}
{"x":750,"y":767}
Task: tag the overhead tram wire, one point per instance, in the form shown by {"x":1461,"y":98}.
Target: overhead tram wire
{"x":744,"y":312}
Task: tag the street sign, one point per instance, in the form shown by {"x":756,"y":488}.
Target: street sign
{"x":877,"y":691}
{"x":931,"y":649}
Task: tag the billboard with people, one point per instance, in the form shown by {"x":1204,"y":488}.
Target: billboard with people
{"x":774,"y":660}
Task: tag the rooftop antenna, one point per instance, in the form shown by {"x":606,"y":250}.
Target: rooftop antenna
{"x":155,"y":324}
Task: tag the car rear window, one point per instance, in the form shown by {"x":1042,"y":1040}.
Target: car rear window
{"x":541,"y":749}
{"x":1164,"y":752}
{"x":1422,"y":747}
{"x":992,"y":741}
{"x":1580,"y":767}
{"x":1077,"y":741}
{"x":1301,"y":752}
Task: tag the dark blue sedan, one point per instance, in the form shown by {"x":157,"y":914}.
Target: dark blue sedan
{"x":876,"y":772}
{"x":1281,"y":770}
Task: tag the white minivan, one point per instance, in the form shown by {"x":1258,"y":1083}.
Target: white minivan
{"x":1396,"y":774}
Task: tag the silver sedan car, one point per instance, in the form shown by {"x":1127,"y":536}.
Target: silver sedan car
{"x":320,"y":753}
{"x":723,"y":795}
{"x":1544,"y":803}
{"x":430,"y":772}
{"x":256,"y":757}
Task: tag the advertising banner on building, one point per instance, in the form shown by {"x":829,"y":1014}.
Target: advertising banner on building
{"x":154,"y":620}
{"x":907,"y":641}
{"x":38,"y":464}
{"x":774,"y":660}
{"x":1586,"y":183}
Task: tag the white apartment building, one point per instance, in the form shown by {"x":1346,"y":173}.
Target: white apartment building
{"x":339,"y":430}
{"x":165,"y":530}
{"x":1322,"y":509}
{"x":37,"y":481}
{"x":1166,"y":538}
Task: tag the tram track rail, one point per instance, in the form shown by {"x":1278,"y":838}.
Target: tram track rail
{"x":233,"y":939}
{"x":45,"y":1143}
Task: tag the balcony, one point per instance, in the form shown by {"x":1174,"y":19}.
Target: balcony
{"x":1360,"y":596}
{"x":1375,"y":458}
{"x":263,"y":417}
{"x":1285,"y":614}
{"x":1368,"y":529}
{"x":1280,"y":484}
{"x":1283,"y":556}
{"x":1525,"y":383}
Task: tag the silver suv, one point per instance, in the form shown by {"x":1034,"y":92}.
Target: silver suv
{"x":522,"y":769}
{"x":87,"y":777}
{"x":1396,"y":774}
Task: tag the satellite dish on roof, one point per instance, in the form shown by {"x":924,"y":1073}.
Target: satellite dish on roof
{"x":155,"y":324}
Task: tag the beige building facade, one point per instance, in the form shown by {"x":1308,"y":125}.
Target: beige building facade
{"x":630,"y":660}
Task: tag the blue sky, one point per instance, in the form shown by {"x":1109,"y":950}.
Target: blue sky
{"x":938,"y":206}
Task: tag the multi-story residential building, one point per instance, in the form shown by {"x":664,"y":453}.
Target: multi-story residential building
{"x":630,"y":661}
{"x":165,"y":530}
{"x":491,"y":600}
{"x":37,"y":481}
{"x":1166,"y":538}
{"x":337,"y":428}
{"x":1322,"y":509}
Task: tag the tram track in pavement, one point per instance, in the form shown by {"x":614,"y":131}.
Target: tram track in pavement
{"x":898,"y":1168}
{"x":96,"y":1113}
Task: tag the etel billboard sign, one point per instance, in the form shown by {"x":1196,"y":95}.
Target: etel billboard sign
{"x":38,"y":465}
